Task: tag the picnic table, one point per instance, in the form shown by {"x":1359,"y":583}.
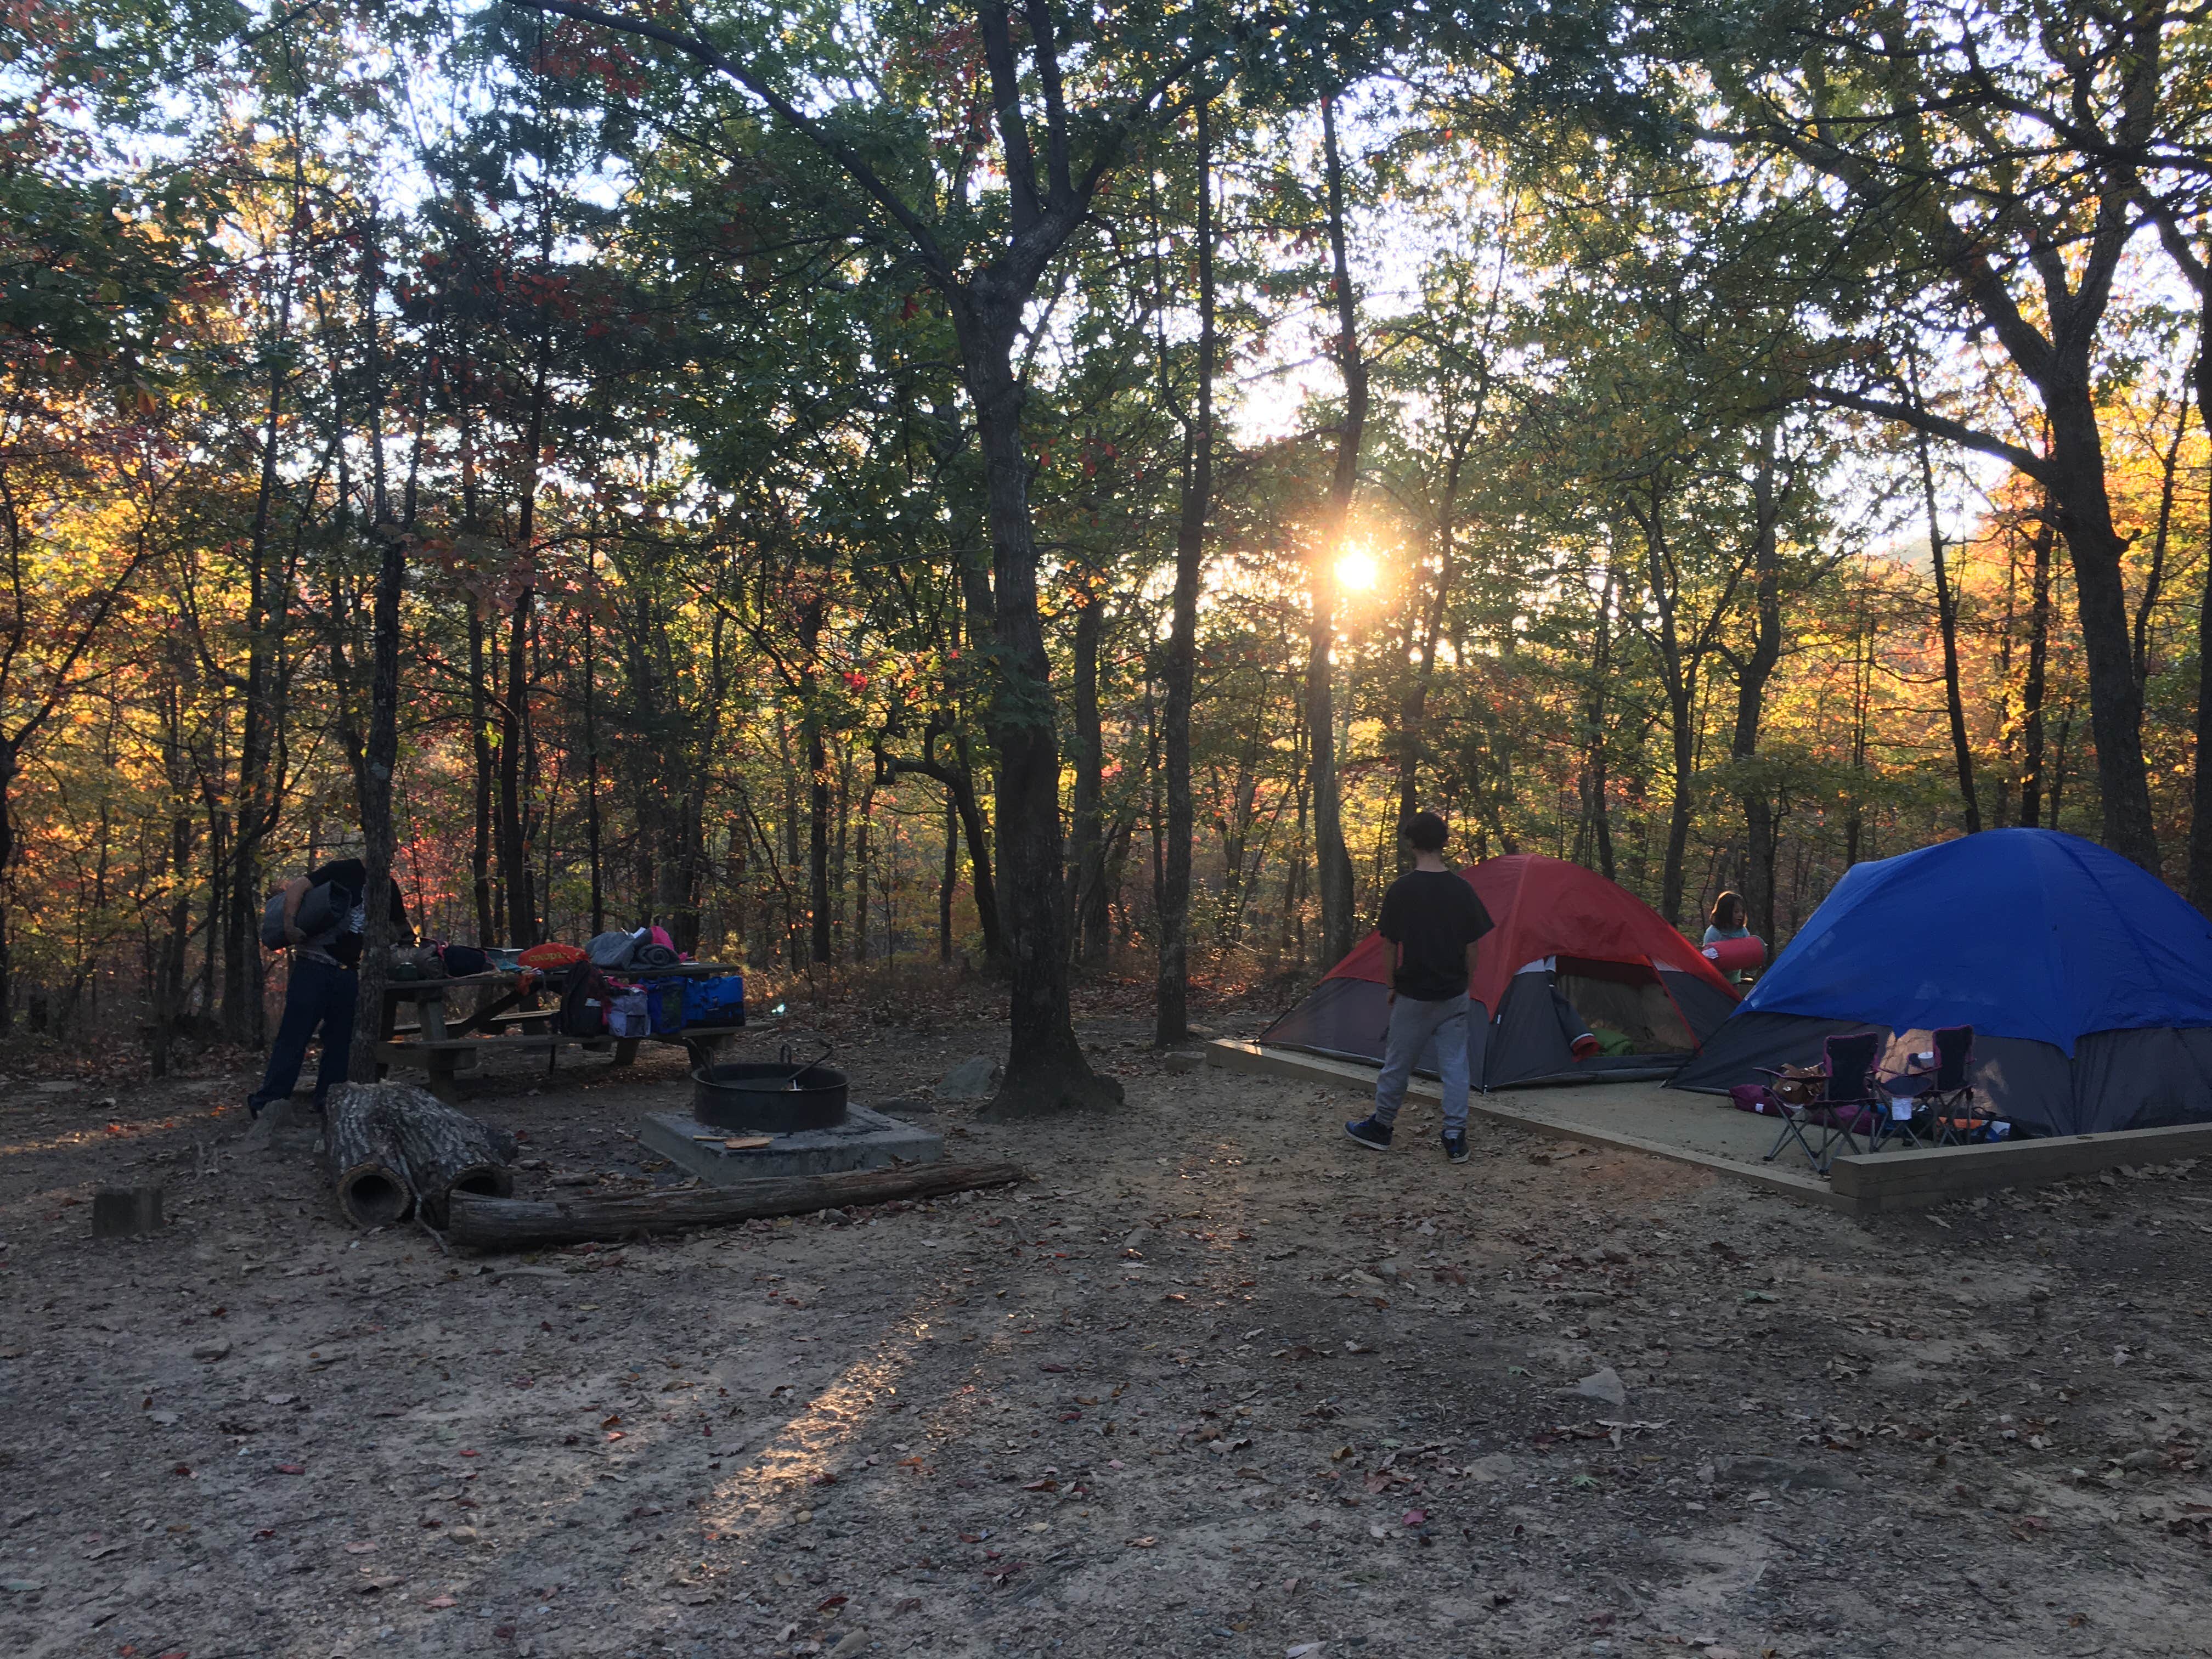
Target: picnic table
{"x":506,"y":1017}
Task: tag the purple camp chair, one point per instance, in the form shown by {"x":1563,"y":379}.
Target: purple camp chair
{"x":1847,"y":1105}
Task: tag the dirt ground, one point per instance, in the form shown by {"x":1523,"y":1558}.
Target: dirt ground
{"x":1214,"y":1381}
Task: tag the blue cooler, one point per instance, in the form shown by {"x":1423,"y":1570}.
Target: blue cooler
{"x":717,"y":1001}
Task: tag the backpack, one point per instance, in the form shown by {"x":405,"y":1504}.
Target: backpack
{"x":586,"y":1001}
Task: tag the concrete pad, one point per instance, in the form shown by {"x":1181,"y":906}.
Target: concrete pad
{"x":866,"y":1140}
{"x":1637,"y":1117}
{"x":1703,"y":1130}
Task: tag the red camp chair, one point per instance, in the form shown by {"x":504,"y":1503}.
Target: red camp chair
{"x":1845,"y":1103}
{"x":1944,"y":1092}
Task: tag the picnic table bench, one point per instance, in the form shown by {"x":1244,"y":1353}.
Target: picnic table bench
{"x":444,"y":1042}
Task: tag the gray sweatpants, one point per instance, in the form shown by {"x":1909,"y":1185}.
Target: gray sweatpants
{"x":1413,"y":1024}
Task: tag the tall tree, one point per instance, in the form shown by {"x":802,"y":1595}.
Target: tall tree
{"x":987,"y":275}
{"x":1331,"y":861}
{"x":1171,"y":1019}
{"x":2004,"y":173}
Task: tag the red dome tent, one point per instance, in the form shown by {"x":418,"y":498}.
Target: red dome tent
{"x":1565,"y":935}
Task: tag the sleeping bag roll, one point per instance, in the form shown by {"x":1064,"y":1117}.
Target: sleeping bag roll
{"x":1733,"y":956}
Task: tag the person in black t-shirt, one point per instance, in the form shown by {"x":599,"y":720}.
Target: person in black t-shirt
{"x":1431,"y":920}
{"x":325,"y":982}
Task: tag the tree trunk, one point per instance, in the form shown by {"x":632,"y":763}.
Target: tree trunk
{"x":2155,"y":578}
{"x":361,"y":1156}
{"x":1333,"y":860}
{"x":1090,"y":802}
{"x":2008,"y":766}
{"x":2032,"y":688}
{"x":480,"y":745}
{"x":593,"y":848}
{"x":514,"y":716}
{"x":515,"y":735}
{"x":1046,"y":1070}
{"x":949,"y":880}
{"x":242,"y":1013}
{"x":382,"y":754}
{"x":2200,"y":828}
{"x":821,"y":944}
{"x":864,"y":851}
{"x":982,"y":882}
{"x":10,"y":767}
{"x":1096,"y":918}
{"x":1684,"y":747}
{"x":165,"y":963}
{"x":1597,"y":806}
{"x":812,"y":614}
{"x":1863,"y":660}
{"x":1292,"y":939}
{"x":493,"y":1223}
{"x":1413,"y":710}
{"x":2098,"y":552}
{"x":1946,"y":622}
{"x":1753,"y":674}
{"x":1678,"y":674}
{"x":1171,"y":990}
{"x":380,"y":744}
{"x":444,"y":1152}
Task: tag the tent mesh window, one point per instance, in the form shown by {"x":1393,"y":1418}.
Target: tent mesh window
{"x":1628,"y":998}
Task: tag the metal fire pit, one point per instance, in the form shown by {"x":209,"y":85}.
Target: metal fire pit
{"x":772,"y":1097}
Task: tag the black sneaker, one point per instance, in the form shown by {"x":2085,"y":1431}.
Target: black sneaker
{"x":1455,"y":1145}
{"x":1368,"y":1133}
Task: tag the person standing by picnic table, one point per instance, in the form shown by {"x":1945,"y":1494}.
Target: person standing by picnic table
{"x":1432,"y":919}
{"x":325,"y":980}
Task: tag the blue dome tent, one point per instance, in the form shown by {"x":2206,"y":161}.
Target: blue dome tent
{"x":2088,"y":982}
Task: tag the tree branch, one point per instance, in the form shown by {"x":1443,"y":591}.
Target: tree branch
{"x":1046,"y":44}
{"x":835,"y":149}
{"x":1007,"y":107}
{"x":1939,"y":426}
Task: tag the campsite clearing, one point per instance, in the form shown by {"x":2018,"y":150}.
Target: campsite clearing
{"x":1215,"y":1382}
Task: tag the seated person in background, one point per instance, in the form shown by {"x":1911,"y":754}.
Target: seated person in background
{"x":325,"y":983}
{"x":1729,"y":920}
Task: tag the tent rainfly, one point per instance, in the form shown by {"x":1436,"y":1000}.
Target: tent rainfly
{"x":1571,"y":952}
{"x":2088,"y":982}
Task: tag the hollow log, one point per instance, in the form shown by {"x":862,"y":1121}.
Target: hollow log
{"x":446,"y":1152}
{"x":362,"y":1155}
{"x":508,"y":1224}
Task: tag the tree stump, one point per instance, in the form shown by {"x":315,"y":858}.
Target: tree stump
{"x":446,"y":1152}
{"x":362,"y":1154}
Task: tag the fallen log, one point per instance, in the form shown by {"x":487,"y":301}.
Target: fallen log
{"x":496,"y":1224}
{"x":446,"y":1152}
{"x":362,"y":1155}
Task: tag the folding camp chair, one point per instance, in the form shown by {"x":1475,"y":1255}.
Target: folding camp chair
{"x":1943,"y":1094}
{"x":1846,"y":1097}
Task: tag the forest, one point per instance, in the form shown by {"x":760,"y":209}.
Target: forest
{"x":1039,"y":491}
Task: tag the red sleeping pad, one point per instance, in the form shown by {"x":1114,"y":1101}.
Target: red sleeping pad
{"x":1733,"y":956}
